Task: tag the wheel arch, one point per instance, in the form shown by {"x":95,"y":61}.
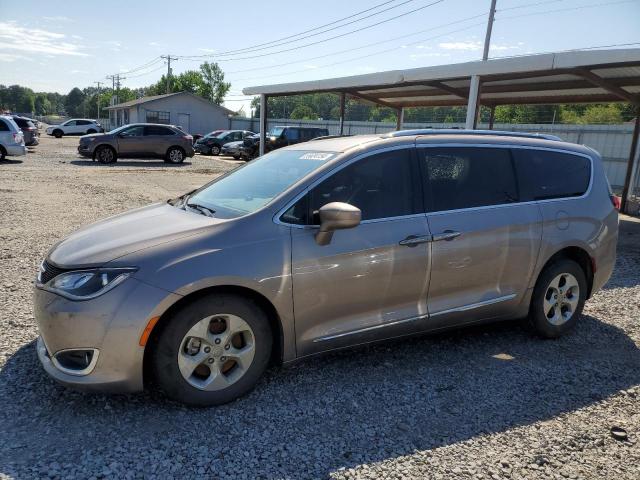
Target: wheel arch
{"x":578,"y":255}
{"x":263,"y":302}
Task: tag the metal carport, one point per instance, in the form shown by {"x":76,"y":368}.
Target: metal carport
{"x":595,"y":76}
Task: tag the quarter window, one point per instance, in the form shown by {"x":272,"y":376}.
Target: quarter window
{"x":158,"y":117}
{"x":543,"y":174}
{"x":380,"y":186}
{"x":3,"y":126}
{"x":466,"y":177}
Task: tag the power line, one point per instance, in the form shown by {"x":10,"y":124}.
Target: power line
{"x":323,"y":40}
{"x":275,"y":43}
{"x":332,"y":54}
{"x":394,"y":49}
{"x":146,"y":73}
{"x":141,"y":67}
{"x":581,"y":7}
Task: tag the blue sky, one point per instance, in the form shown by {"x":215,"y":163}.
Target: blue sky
{"x":54,"y":46}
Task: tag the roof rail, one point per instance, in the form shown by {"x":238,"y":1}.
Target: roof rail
{"x":456,"y":131}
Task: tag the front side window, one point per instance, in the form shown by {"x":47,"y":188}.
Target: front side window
{"x":467,"y":177}
{"x":137,"y":131}
{"x":545,"y":174}
{"x":158,"y":117}
{"x":254,"y":185}
{"x":70,"y":123}
{"x":380,"y":185}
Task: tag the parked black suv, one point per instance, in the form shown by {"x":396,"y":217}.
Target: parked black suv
{"x":212,"y":144}
{"x":280,"y":137}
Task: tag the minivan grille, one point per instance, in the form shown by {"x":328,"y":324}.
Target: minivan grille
{"x":48,"y":271}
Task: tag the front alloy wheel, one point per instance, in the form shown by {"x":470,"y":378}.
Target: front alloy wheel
{"x":211,"y":351}
{"x":561,"y":298}
{"x":175,"y":155}
{"x":215,"y":150}
{"x":216,"y":352}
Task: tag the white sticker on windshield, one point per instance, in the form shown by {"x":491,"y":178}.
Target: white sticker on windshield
{"x":316,"y":156}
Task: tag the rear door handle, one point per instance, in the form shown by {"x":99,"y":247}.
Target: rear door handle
{"x":414,"y":240}
{"x":447,"y":235}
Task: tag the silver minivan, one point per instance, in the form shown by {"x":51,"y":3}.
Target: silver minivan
{"x":324,"y":245}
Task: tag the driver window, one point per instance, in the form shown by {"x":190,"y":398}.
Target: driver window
{"x":380,"y":185}
{"x":133,"y":132}
{"x":70,"y":123}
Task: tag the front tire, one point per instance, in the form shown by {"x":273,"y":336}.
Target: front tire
{"x":58,"y":133}
{"x":215,"y":150}
{"x":558,"y":298}
{"x":212,"y":351}
{"x":175,"y":155}
{"x":105,"y":155}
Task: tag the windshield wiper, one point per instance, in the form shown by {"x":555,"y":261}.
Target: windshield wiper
{"x":201,"y":208}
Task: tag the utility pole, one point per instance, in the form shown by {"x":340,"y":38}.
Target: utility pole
{"x":473,"y":106}
{"x":168,"y":58}
{"x":487,"y":38}
{"x":98,"y":114}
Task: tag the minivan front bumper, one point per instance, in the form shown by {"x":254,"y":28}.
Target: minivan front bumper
{"x":110,"y":326}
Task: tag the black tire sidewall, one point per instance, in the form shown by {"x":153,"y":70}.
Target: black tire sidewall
{"x":101,"y":149}
{"x":537,"y":316}
{"x":58,"y":133}
{"x":169,"y":155}
{"x":166,"y":345}
{"x":216,"y":147}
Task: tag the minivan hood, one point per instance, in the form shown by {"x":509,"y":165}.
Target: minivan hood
{"x":109,"y":239}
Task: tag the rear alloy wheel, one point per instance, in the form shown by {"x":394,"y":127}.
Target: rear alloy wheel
{"x":558,"y":298}
{"x":175,"y":155}
{"x":215,"y":150}
{"x":58,"y":133}
{"x":105,"y":155}
{"x":212,"y":351}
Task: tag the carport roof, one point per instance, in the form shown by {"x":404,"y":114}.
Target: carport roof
{"x":564,"y":77}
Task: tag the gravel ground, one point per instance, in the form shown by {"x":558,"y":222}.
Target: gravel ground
{"x":483,"y":403}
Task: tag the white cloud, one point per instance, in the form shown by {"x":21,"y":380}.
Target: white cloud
{"x":208,"y":50}
{"x":310,"y":66}
{"x":155,"y":44}
{"x":34,"y":40}
{"x":57,"y":18}
{"x":429,"y":54}
{"x":10,"y":57}
{"x":461,"y":45}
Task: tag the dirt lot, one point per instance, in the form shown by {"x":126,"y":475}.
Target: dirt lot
{"x":482,"y":403}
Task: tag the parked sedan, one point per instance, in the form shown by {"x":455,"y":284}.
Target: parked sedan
{"x":75,"y":126}
{"x":232,"y":149}
{"x":29,"y":130}
{"x":138,"y":140}
{"x":212,"y":144}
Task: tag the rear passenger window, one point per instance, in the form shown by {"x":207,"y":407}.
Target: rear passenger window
{"x":380,"y":186}
{"x":155,"y":130}
{"x":543,"y":174}
{"x":468,"y":177}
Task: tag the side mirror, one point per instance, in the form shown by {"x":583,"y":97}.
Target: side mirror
{"x":336,"y":216}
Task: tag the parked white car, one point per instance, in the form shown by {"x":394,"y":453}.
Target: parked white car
{"x":75,"y":126}
{"x":11,"y":138}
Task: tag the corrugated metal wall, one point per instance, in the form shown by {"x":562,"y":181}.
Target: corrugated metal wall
{"x":612,"y":141}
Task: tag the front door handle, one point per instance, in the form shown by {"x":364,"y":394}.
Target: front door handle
{"x":446,"y":235}
{"x":414,"y":240}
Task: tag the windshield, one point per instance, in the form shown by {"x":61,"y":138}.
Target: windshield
{"x":249,"y":188}
{"x":276,"y":132}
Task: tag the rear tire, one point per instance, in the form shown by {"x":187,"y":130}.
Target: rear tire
{"x":105,"y":155}
{"x":237,"y":157}
{"x":175,"y":155}
{"x":58,"y":133}
{"x":190,"y":359}
{"x":558,"y":298}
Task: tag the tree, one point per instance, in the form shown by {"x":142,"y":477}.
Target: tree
{"x":303,"y":112}
{"x":73,"y":103}
{"x":215,"y":88}
{"x":42,"y":104}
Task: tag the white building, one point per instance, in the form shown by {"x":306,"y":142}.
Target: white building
{"x":191,"y":112}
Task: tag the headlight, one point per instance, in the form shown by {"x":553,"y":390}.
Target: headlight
{"x":87,"y":284}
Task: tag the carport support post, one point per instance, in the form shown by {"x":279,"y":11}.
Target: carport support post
{"x":630,"y":165}
{"x":472,"y":104}
{"x":492,"y":115}
{"x":342,"y":103}
{"x":263,"y":122}
{"x":400,"y":118}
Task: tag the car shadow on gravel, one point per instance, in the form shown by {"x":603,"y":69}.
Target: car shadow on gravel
{"x":130,"y":163}
{"x":325,"y":413}
{"x":8,"y":161}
